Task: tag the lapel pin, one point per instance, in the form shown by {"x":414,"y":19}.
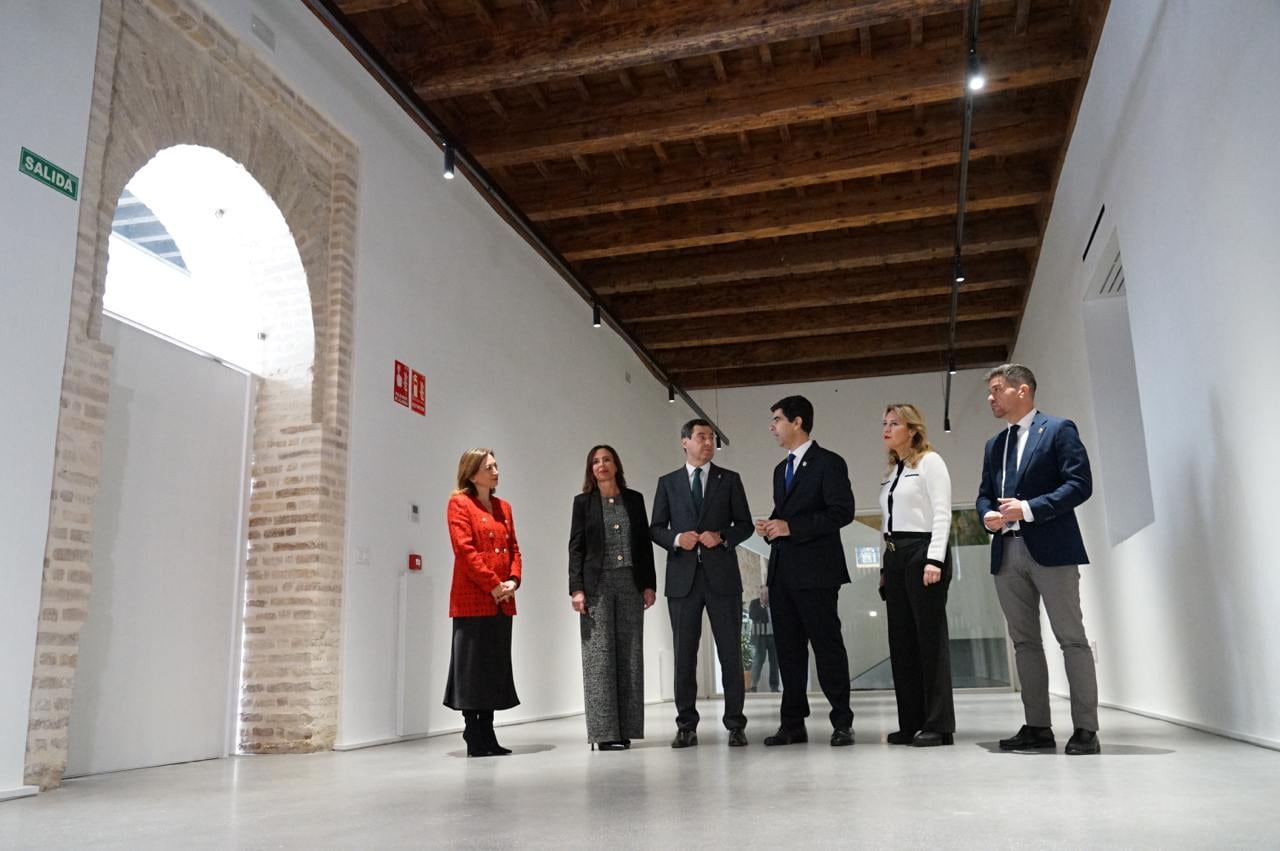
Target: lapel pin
{"x":804,"y":463}
{"x":1041,"y":430}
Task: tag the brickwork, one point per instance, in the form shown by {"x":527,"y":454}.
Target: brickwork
{"x":167,"y":73}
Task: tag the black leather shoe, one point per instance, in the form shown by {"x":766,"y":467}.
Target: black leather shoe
{"x":1030,"y":739}
{"x":930,"y":739}
{"x":737,"y":739}
{"x":841,"y":737}
{"x":615,"y":746}
{"x":1083,"y":742}
{"x":685,"y":739}
{"x":901,"y":737}
{"x":787,"y":737}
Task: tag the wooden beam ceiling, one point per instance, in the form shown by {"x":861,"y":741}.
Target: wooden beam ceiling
{"x":764,"y":191}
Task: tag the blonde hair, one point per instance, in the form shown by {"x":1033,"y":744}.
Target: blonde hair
{"x":468,"y":465}
{"x":914,"y":421}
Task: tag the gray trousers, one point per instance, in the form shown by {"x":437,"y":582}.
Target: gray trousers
{"x":613,"y":659}
{"x":1020,"y":585}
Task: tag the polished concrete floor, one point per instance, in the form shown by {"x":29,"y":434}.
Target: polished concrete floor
{"x":1156,"y":785}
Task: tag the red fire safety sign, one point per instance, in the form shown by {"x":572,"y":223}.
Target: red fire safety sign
{"x":402,"y":384}
{"x":419,"y":393}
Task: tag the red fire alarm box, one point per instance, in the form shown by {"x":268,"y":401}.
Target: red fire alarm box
{"x":415,"y":561}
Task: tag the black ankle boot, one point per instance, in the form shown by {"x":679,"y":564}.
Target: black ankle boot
{"x":473,"y":734}
{"x":490,"y":737}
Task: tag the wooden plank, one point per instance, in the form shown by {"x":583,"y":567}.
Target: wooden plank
{"x":360,"y":7}
{"x":836,"y":347}
{"x":871,"y":248}
{"x":861,"y":286}
{"x":581,"y":42}
{"x":787,"y":217}
{"x":845,"y":85}
{"x":814,"y":321}
{"x":836,"y":370}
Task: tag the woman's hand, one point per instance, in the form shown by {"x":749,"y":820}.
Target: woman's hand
{"x":650,"y":597}
{"x":504,"y":591}
{"x":932,"y":574}
{"x":579,"y":602}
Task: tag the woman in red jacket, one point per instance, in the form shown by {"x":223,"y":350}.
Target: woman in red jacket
{"x":482,"y":601}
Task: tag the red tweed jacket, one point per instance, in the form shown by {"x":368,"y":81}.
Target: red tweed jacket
{"x":485,"y":554}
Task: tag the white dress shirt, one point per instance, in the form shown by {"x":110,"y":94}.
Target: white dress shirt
{"x":921,"y":502}
{"x":1024,"y":431}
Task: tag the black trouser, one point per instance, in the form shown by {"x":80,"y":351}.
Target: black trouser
{"x":725,"y":613}
{"x":804,"y":616}
{"x":918,"y":642}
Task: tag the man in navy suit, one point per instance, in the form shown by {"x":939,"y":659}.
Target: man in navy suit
{"x":1034,"y":474}
{"x":812,"y":501}
{"x":700,"y":515}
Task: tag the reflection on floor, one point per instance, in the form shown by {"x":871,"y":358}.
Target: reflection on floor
{"x":975,"y":663}
{"x":1156,"y":785}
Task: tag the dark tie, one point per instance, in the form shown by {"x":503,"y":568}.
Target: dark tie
{"x":791,"y":469}
{"x":697,"y":490}
{"x":1010,"y":461}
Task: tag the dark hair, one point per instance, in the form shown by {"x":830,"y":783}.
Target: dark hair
{"x":589,"y":481}
{"x":686,"y":430}
{"x":1013,"y":374}
{"x":796,"y":406}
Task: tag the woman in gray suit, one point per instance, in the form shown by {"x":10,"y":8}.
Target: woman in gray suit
{"x":611,"y":582}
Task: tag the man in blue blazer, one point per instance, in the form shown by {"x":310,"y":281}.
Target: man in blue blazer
{"x":700,"y":515}
{"x":1034,"y":474}
{"x":812,"y":501}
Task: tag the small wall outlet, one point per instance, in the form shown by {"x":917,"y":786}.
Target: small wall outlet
{"x":362,"y":555}
{"x":414,"y":515}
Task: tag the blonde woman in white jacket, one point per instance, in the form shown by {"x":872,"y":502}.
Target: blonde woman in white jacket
{"x":915,"y":503}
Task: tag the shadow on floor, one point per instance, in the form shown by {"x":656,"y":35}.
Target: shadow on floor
{"x":516,"y":750}
{"x":1108,"y":749}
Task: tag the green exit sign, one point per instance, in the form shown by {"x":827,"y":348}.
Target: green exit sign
{"x":34,"y":165}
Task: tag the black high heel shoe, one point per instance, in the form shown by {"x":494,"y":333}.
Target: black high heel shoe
{"x":490,"y":737}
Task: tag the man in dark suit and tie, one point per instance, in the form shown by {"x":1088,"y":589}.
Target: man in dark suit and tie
{"x":1034,"y":474}
{"x":812,"y":501}
{"x":700,"y":515}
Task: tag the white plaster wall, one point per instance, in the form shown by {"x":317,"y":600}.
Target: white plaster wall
{"x":48,"y":49}
{"x":511,"y":362}
{"x":1177,"y":136}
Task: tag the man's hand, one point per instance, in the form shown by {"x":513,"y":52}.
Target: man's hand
{"x":993,"y":520}
{"x":687,"y":540}
{"x":932,"y":574}
{"x":650,"y":597}
{"x":710,"y":539}
{"x":773,"y":529}
{"x":1011,"y":509}
{"x":579,"y":602}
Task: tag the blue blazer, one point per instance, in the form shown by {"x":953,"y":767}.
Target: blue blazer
{"x":724,"y":510}
{"x":818,"y":506}
{"x":1053,"y":478}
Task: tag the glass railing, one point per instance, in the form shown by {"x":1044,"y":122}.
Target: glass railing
{"x":979,"y":648}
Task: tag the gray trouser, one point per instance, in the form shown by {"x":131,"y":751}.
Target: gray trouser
{"x":1021,"y":584}
{"x":613,"y":659}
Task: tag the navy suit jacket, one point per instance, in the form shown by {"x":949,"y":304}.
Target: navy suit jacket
{"x":1053,"y":478}
{"x":724,"y":510}
{"x":818,"y":506}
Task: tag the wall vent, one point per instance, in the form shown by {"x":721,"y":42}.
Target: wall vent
{"x":1111,"y":283}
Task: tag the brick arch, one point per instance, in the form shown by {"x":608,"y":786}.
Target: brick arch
{"x":167,"y":73}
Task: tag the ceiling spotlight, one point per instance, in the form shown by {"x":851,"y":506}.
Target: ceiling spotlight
{"x":946,"y":425}
{"x":976,"y":79}
{"x":595,"y":314}
{"x":951,"y":367}
{"x":671,"y":393}
{"x":448,"y":162}
{"x":719,"y":443}
{"x":958,"y":272}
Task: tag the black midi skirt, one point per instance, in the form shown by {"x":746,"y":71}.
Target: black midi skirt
{"x":480,"y":665}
